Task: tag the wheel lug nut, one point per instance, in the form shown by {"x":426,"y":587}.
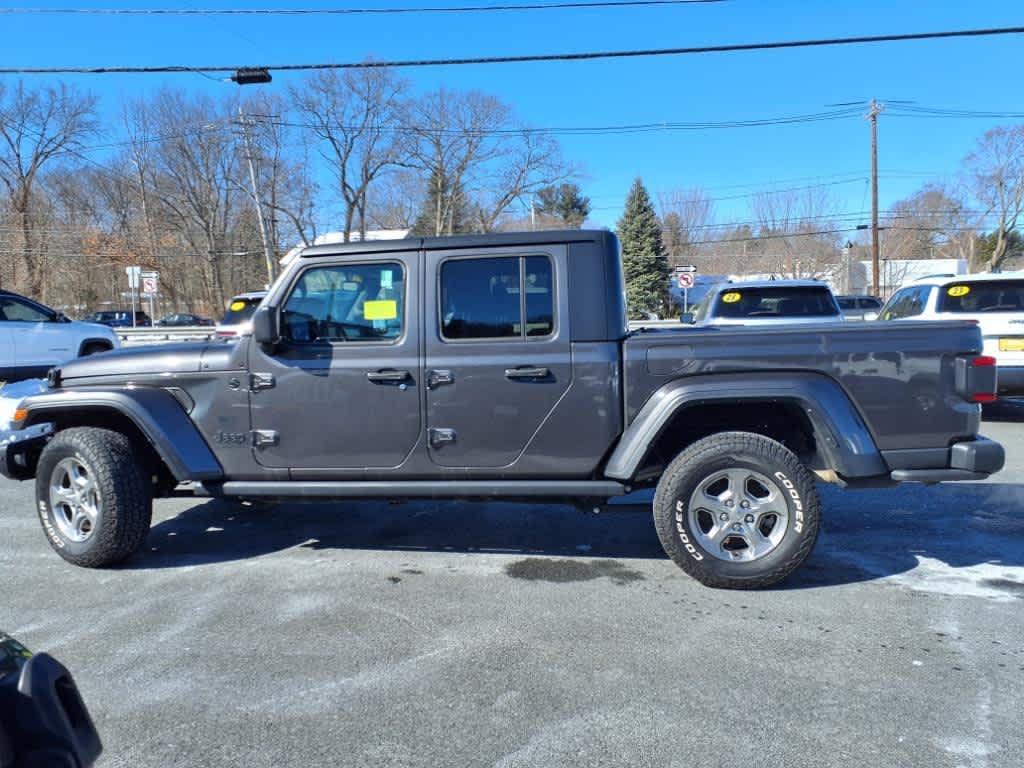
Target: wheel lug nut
{"x":737,"y":527}
{"x":729,"y":503}
{"x":745,"y":504}
{"x":749,"y":518}
{"x":724,"y":516}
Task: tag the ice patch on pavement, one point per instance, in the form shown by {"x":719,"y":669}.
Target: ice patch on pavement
{"x":988,"y":580}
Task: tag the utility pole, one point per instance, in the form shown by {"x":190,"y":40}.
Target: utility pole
{"x":268,"y":254}
{"x":873,"y":112}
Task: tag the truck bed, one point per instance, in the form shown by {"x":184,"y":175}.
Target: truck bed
{"x":900,"y":376}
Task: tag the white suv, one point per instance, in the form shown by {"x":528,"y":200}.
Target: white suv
{"x":34,"y":338}
{"x":994,"y":301}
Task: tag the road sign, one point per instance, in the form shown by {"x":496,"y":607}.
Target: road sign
{"x":682,"y":268}
{"x":684,"y":279}
{"x":149,"y":284}
{"x":133,"y":276}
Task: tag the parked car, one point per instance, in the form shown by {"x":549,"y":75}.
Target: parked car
{"x":120,"y":318}
{"x":859,"y":307}
{"x":238,"y":316}
{"x":501,"y":366}
{"x":183,"y":319}
{"x":994,"y":301}
{"x":766,"y":302}
{"x":34,"y":338}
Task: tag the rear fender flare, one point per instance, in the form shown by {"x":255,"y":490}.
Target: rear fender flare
{"x":157,"y":414}
{"x":842,"y":437}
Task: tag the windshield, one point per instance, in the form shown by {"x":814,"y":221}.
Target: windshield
{"x":987,"y":296}
{"x":240,"y":310}
{"x":784,"y":301}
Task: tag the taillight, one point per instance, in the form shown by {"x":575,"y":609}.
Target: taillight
{"x":981,"y":391}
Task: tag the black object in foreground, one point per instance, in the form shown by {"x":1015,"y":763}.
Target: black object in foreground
{"x":43,"y":720}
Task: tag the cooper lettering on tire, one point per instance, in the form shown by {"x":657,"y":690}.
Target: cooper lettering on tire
{"x":93,"y":495}
{"x":737,"y":510}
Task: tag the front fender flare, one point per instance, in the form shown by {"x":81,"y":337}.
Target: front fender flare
{"x":157,"y":414}
{"x":842,"y":436}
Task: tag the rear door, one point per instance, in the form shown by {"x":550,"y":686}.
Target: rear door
{"x":343,"y":389}
{"x":498,"y":356}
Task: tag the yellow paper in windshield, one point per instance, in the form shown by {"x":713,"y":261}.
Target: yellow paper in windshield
{"x":731,"y":297}
{"x":237,"y":306}
{"x":380,"y":310}
{"x":959,"y":290}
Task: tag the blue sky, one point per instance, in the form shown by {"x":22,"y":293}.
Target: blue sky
{"x":982,"y":73}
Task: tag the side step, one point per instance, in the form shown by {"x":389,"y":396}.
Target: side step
{"x":424,"y":489}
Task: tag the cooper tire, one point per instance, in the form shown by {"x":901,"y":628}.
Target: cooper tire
{"x":92,"y":496}
{"x":737,"y":510}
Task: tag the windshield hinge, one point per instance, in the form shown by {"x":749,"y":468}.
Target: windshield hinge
{"x":261,"y":438}
{"x":258,"y":381}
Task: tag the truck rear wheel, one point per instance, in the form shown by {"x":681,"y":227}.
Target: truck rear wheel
{"x":737,"y":510}
{"x":94,"y":501}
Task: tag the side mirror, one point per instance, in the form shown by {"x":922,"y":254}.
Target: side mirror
{"x":265,"y":330}
{"x":688,"y":318}
{"x":60,"y":317}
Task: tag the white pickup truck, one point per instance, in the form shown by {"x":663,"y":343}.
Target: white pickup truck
{"x":34,"y":338}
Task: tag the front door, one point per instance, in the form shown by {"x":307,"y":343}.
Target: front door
{"x":343,"y":388}
{"x":497,"y":352}
{"x":40,"y":341}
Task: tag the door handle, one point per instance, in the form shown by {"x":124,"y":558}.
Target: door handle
{"x":527,"y":373}
{"x":387,"y":377}
{"x":436,"y":378}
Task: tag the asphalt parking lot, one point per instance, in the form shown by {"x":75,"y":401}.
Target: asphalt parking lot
{"x":445,"y":634}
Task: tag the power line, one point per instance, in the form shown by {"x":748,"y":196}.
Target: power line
{"x":522,"y":59}
{"x":543,"y":6}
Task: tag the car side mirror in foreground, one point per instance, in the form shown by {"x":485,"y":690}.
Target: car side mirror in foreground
{"x":688,"y":318}
{"x":264,"y":327}
{"x":43,"y":720}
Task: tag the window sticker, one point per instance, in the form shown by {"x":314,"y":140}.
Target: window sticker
{"x":380,"y":310}
{"x":237,"y":306}
{"x":731,"y":297}
{"x":959,"y":290}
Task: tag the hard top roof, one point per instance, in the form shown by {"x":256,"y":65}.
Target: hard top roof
{"x":726,"y":287}
{"x":499,"y":239}
{"x":980,"y":277}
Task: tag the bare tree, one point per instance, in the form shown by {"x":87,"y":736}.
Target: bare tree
{"x":355,"y":115}
{"x":36,"y":127}
{"x":995,"y":171}
{"x":476,"y":160}
{"x":797,"y":232}
{"x":686,"y":216}
{"x":931,"y":223}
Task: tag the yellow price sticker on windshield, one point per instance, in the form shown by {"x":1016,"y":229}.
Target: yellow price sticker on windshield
{"x":959,"y":290}
{"x":380,"y":310}
{"x":237,"y":306}
{"x":731,"y":297}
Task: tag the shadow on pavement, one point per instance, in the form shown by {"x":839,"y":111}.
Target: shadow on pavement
{"x":866,"y":535}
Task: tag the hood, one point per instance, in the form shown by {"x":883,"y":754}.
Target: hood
{"x":94,"y":328}
{"x":166,"y":359}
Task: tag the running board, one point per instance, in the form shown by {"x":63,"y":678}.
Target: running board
{"x":428,"y":489}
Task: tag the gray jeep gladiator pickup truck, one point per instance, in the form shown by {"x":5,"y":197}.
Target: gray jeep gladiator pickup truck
{"x":501,"y":366}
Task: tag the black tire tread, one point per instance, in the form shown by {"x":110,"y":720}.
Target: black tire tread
{"x":748,"y":443}
{"x":124,"y":489}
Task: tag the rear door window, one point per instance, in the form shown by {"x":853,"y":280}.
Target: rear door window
{"x":989,"y":296}
{"x":504,"y":297}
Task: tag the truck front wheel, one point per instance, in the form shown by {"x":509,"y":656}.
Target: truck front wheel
{"x":737,"y":510}
{"x":92,"y":496}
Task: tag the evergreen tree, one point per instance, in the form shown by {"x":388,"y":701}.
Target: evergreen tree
{"x":445,"y":208}
{"x":565,"y":203}
{"x":643,"y":256}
